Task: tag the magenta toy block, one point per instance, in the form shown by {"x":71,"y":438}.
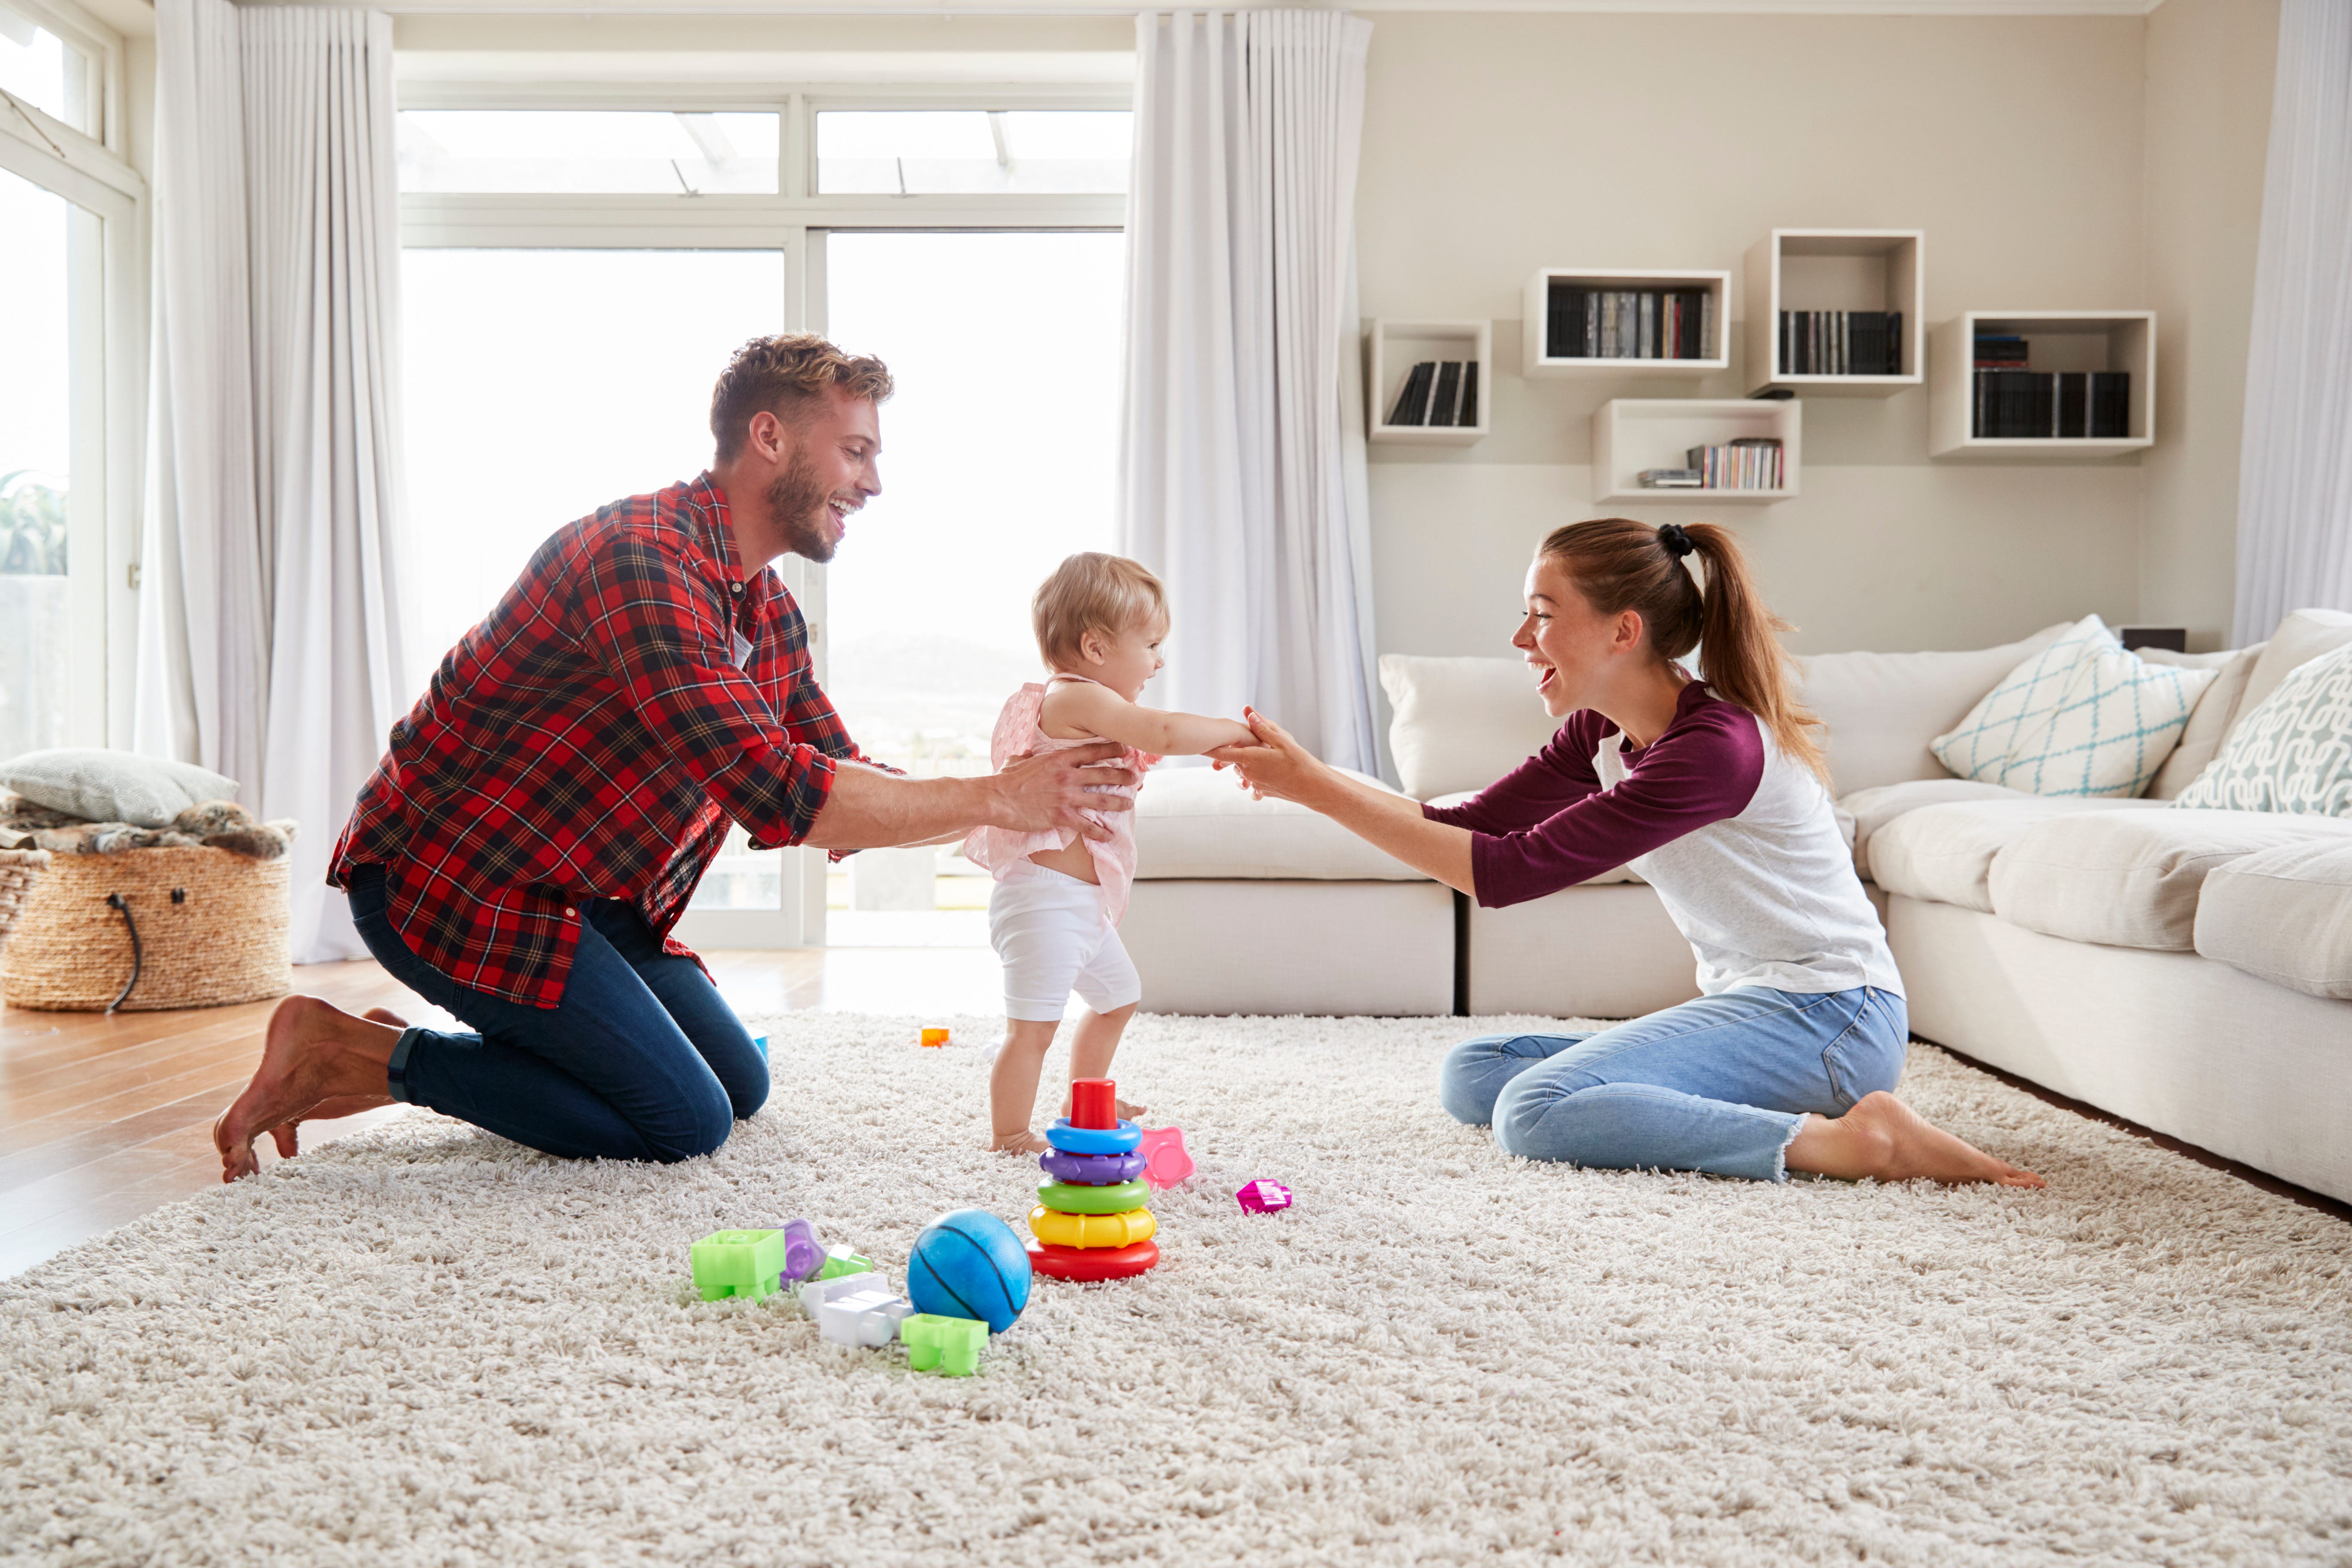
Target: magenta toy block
{"x":1165,"y":1162}
{"x":1093,"y":1103}
{"x":1264,"y":1197}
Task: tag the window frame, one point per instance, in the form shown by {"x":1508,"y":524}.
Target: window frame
{"x":109,"y":350}
{"x":794,"y":220}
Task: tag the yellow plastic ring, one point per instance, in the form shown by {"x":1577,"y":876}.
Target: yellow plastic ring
{"x":1056,"y":1228}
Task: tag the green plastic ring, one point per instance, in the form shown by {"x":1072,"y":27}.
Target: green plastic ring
{"x":1070,"y":1197}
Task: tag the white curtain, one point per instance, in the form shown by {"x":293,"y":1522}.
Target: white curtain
{"x":2295,"y":472}
{"x":1242,"y":463}
{"x":269,"y":626}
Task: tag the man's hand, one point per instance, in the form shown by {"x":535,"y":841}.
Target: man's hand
{"x":1052,"y":793}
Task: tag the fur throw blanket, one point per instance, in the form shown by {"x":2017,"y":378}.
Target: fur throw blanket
{"x":215,"y":824}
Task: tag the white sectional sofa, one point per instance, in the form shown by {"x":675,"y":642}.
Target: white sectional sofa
{"x":2189,"y":970}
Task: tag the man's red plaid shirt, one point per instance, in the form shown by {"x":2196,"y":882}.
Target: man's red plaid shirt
{"x":632,"y":692}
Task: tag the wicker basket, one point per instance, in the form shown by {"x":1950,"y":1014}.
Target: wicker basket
{"x":151,"y":929}
{"x":19,"y":869}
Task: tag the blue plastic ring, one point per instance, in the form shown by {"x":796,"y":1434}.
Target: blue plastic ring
{"x":1070,"y":1140}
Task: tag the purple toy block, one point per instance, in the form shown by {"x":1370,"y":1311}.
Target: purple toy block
{"x":802,"y":1255}
{"x":1091,"y":1169}
{"x":1264,"y":1197}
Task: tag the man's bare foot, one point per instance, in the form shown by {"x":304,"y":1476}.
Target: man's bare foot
{"x":314,"y":1052}
{"x":288,"y":1135}
{"x":1883,"y":1137}
{"x":1021,"y":1142}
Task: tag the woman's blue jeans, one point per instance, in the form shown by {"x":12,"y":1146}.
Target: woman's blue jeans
{"x":642,"y":1060}
{"x":1720,"y":1085}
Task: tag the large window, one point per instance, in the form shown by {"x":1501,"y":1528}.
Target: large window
{"x":576,"y":275}
{"x":69,"y":371}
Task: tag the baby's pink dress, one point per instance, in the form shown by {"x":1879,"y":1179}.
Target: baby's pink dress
{"x":1006,"y":853}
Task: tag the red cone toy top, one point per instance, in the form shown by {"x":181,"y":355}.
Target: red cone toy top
{"x":1093,"y":1103}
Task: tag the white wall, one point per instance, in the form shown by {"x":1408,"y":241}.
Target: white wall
{"x":1496,"y":143}
{"x":2210,"y":65}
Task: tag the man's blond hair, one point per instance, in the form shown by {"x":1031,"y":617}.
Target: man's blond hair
{"x":786,"y":375}
{"x":1092,"y":592}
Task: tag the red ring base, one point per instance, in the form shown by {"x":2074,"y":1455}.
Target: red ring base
{"x":1086,"y":1263}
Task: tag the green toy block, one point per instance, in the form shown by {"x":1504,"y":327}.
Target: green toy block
{"x":950,"y":1344}
{"x":840,"y":1261}
{"x":739,"y":1263}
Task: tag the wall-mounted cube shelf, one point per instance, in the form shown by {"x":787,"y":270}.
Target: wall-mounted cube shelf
{"x":1397,"y":347}
{"x":1833,"y":269}
{"x":1630,"y":434}
{"x":1537,"y":358}
{"x":2057,"y":340}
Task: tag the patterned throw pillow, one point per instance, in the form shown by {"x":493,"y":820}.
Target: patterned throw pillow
{"x":2083,"y":717}
{"x":2293,"y":753}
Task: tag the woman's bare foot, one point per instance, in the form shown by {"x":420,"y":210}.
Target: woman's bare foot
{"x":288,"y":1135}
{"x":1021,"y":1142}
{"x":1883,"y":1137}
{"x":314,"y":1052}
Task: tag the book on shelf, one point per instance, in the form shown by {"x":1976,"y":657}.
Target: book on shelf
{"x":1438,"y":392}
{"x":2040,"y":405}
{"x":1749,"y":463}
{"x":1673,"y":478}
{"x":1841,"y":343}
{"x":1628,"y":323}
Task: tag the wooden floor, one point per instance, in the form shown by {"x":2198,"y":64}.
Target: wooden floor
{"x":104,"y":1119}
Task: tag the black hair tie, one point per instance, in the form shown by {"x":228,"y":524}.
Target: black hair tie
{"x":1677,"y":542}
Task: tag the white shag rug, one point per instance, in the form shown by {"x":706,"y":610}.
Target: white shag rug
{"x":426,"y":1345}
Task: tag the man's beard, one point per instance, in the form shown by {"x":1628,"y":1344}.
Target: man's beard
{"x":797,"y":501}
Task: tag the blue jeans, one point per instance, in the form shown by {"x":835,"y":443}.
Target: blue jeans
{"x":642,"y":1060}
{"x":1720,"y":1085}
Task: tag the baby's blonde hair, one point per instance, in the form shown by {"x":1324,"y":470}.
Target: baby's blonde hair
{"x":1092,"y":592}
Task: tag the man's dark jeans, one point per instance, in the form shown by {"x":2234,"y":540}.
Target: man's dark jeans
{"x":641,"y":1061}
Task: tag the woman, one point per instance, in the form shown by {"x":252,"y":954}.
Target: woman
{"x":1715,"y":792}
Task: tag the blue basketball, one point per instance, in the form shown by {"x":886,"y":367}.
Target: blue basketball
{"x":969,"y":1264}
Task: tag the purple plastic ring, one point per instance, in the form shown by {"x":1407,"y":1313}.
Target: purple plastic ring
{"x":1091,"y":1169}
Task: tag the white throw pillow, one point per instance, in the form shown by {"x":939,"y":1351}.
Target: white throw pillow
{"x":2209,"y":726}
{"x":2083,"y":717}
{"x":2293,"y":754}
{"x":113,"y":786}
{"x":1460,"y":724}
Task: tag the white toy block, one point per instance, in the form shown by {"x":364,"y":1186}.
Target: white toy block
{"x":867,"y":1317}
{"x":817,"y":1292}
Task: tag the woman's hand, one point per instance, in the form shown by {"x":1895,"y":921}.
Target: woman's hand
{"x":1277,"y":767}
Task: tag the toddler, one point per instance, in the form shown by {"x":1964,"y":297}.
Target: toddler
{"x":1053,"y":914}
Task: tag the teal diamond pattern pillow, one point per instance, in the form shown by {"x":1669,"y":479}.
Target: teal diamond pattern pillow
{"x":2293,"y":753}
{"x":2084,"y":717}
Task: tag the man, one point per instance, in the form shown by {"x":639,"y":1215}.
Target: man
{"x":544,"y":814}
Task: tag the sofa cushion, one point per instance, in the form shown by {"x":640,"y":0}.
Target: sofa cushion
{"x":2283,"y":915}
{"x":2209,"y":725}
{"x":2130,"y":879}
{"x":1199,"y":823}
{"x":2301,"y":636}
{"x":2083,"y":717}
{"x":2293,"y":753}
{"x":1861,"y":814}
{"x":1460,"y":724}
{"x":1944,"y":854}
{"x":100,"y":785}
{"x":1880,"y":710}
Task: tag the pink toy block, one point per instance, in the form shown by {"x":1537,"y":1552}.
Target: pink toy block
{"x":1264,"y":1197}
{"x":1165,"y":1162}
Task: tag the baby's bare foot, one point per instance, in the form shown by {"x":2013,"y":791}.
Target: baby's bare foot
{"x":1131,"y":1112}
{"x":1021,"y":1142}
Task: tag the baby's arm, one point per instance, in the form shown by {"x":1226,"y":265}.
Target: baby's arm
{"x":1094,"y":709}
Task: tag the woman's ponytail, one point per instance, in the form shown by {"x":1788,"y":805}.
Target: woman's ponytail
{"x":1619,"y":564}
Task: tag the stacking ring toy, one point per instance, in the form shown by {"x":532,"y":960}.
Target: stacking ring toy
{"x":1082,"y":1230}
{"x":1116,"y":1199}
{"x":1092,"y":1170}
{"x":1070,"y":1140}
{"x":1093,"y":1262}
